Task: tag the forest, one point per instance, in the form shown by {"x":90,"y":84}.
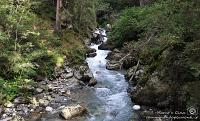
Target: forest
{"x":78,"y":60}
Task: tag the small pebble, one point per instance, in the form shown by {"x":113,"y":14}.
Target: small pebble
{"x":136,"y":107}
{"x":49,"y":109}
{"x":39,"y":90}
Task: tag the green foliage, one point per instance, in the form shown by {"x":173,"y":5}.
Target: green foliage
{"x":9,"y":89}
{"x":30,"y":50}
{"x":107,"y":10}
{"x":121,"y":4}
{"x":73,"y":47}
{"x":80,"y":14}
{"x":166,"y":37}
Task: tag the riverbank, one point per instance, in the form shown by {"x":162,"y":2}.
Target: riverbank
{"x":51,"y":93}
{"x":147,"y":89}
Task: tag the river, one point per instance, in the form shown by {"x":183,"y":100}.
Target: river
{"x":114,"y":103}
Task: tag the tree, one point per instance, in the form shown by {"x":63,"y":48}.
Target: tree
{"x":58,"y":6}
{"x":141,"y":2}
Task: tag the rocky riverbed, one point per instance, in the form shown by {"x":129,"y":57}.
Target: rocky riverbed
{"x":51,"y":95}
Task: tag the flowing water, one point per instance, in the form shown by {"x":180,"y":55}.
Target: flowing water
{"x":115,"y":104}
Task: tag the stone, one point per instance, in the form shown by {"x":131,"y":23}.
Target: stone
{"x":116,"y":50}
{"x":67,"y":76}
{"x":72,"y":111}
{"x":103,"y":46}
{"x":17,"y":100}
{"x":139,"y":72}
{"x":9,"y":104}
{"x":113,"y":65}
{"x":43,"y":102}
{"x":92,"y":54}
{"x":136,"y":107}
{"x":129,"y":62}
{"x":92,"y":82}
{"x":84,"y":74}
{"x":68,"y":70}
{"x":39,"y":90}
{"x":23,"y":109}
{"x":49,"y":98}
{"x":115,"y":56}
{"x":91,"y":50}
{"x":154,"y":89}
{"x":9,"y":110}
{"x":20,"y":100}
{"x":49,"y":109}
{"x":34,"y":101}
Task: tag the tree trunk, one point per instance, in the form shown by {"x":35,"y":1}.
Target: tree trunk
{"x":141,"y":2}
{"x":58,"y":6}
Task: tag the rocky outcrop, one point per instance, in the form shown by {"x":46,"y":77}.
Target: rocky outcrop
{"x":104,"y":46}
{"x":84,"y":74}
{"x":115,"y":55}
{"x":120,"y":59}
{"x":96,"y":39}
{"x":129,"y":61}
{"x":91,"y":52}
{"x":113,"y":65}
{"x":72,"y":111}
{"x":152,"y":94}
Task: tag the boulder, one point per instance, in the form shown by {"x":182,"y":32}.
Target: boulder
{"x":84,"y":74}
{"x":96,"y":39}
{"x":68,"y":70}
{"x":92,"y":54}
{"x":129,"y":61}
{"x":152,"y":94}
{"x":92,"y":82}
{"x":103,"y":46}
{"x":115,"y":56}
{"x":91,"y":50}
{"x":72,"y":111}
{"x":113,"y":65}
